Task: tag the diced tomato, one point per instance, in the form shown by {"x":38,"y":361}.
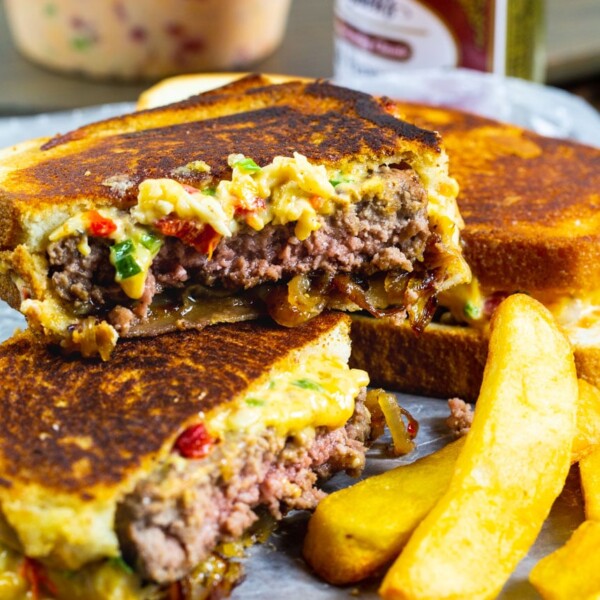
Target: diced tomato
{"x":200,"y":236}
{"x":247,"y":206}
{"x":194,"y":442}
{"x":316,"y":201}
{"x":100,"y":226}
{"x":34,"y":573}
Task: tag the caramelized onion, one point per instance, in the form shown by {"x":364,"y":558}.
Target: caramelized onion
{"x":302,"y":296}
{"x":402,"y":434}
{"x":422,"y":309}
{"x":297,"y":302}
{"x":352,"y":291}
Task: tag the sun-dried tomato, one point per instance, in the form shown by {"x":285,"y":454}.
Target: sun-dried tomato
{"x":100,"y":226}
{"x":194,"y":442}
{"x":202,"y":237}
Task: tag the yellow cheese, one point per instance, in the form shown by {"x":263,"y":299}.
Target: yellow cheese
{"x":126,"y":229}
{"x":578,"y":315}
{"x":98,"y":581}
{"x":158,"y":198}
{"x":288,"y":184}
{"x":291,"y":403}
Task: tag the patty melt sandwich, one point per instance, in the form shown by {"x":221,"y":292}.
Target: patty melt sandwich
{"x":121,"y":479}
{"x":253,"y":198}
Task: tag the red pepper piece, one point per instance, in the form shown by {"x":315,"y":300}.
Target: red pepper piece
{"x":34,"y":573}
{"x":194,"y":442}
{"x":200,"y":236}
{"x":316,"y":201}
{"x":412,"y":429}
{"x":100,"y":226}
{"x":247,"y":206}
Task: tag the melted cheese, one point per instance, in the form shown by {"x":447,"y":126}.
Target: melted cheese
{"x":99,"y":581}
{"x":578,"y":315}
{"x":290,"y":185}
{"x":126,"y":229}
{"x":291,"y":403}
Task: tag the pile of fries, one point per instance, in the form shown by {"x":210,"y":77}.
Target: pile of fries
{"x":456,"y":523}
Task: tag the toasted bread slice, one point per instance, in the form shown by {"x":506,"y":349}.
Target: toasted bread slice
{"x":94,"y":456}
{"x":245,"y":189}
{"x":444,"y":361}
{"x":181,"y":87}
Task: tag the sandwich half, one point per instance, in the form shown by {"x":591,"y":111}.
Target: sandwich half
{"x":121,"y":479}
{"x":250,"y":199}
{"x":531,"y":207}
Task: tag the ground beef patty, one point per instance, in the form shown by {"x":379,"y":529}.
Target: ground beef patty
{"x":173,"y":519}
{"x":380,"y":233}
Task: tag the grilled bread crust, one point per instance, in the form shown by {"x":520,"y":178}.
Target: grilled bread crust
{"x":155,"y":386}
{"x":444,"y":361}
{"x":45,"y":182}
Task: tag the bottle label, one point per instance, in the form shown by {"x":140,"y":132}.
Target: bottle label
{"x":372,"y":36}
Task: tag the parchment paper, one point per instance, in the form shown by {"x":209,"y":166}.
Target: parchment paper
{"x":275,"y":570}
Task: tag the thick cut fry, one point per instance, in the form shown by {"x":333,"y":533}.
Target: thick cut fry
{"x":358,"y":530}
{"x":589,"y":471}
{"x":572,"y":571}
{"x":511,"y":469}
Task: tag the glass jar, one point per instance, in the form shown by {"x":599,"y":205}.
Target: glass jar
{"x":146,"y":39}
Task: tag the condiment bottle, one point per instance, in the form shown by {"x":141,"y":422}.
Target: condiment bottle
{"x":499,"y":36}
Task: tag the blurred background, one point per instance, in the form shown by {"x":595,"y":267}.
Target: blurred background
{"x":572,"y":52}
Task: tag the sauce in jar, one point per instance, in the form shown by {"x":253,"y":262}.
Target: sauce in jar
{"x":146,"y":39}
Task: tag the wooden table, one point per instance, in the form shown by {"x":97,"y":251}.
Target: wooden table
{"x":573,"y":48}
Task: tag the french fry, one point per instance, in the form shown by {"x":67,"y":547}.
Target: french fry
{"x":512,"y":467}
{"x":589,"y":471}
{"x":357,"y":531}
{"x":572,"y":571}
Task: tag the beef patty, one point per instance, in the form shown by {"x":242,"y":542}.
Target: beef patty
{"x":388,"y":231}
{"x":173,"y":520}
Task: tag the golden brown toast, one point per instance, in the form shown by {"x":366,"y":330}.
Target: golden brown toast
{"x":530,"y":203}
{"x":172,"y":172}
{"x":79,"y":436}
{"x":444,"y":361}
